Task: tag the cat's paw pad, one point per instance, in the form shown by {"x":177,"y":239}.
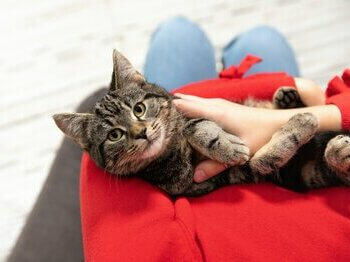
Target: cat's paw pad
{"x":287,"y":97}
{"x":337,"y":153}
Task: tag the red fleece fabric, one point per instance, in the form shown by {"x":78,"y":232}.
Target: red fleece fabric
{"x":131,"y":220}
{"x":338,"y":93}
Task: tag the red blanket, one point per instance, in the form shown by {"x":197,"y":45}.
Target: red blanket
{"x":131,"y":220}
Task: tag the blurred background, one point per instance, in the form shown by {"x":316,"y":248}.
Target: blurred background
{"x":54,"y":53}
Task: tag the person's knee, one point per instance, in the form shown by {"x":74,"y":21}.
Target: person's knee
{"x":183,"y":44}
{"x":176,"y":25}
{"x":267,"y":43}
{"x":257,"y":38}
{"x":263,"y":33}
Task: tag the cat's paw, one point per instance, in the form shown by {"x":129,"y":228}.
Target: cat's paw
{"x":230,"y":150}
{"x":284,"y":144}
{"x":213,"y":142}
{"x":337,"y":154}
{"x":287,"y":97}
{"x":266,"y":164}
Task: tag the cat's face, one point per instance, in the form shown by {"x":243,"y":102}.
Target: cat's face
{"x":130,"y":126}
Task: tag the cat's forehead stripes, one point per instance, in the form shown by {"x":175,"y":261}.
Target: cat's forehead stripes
{"x":118,"y":102}
{"x":105,"y":109}
{"x":111,"y":106}
{"x":109,"y":121}
{"x":152,"y":95}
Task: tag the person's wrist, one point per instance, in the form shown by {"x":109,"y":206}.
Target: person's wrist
{"x":265,"y":122}
{"x":311,"y":94}
{"x":330,"y":118}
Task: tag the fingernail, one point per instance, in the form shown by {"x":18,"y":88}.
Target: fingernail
{"x":199,"y":176}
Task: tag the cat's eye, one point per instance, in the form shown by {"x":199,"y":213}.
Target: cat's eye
{"x":115,"y":135}
{"x":139,"y":109}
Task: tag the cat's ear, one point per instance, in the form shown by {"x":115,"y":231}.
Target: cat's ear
{"x":74,"y":125}
{"x":123,"y":72}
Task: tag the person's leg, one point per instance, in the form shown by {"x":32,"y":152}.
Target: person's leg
{"x":52,"y":231}
{"x":179,"y":53}
{"x":267,"y":43}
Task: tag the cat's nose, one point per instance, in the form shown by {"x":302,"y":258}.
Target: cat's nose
{"x":139,"y":132}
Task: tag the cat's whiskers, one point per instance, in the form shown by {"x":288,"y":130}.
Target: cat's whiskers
{"x":109,"y":176}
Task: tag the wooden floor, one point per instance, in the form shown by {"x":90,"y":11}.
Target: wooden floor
{"x":54,"y":53}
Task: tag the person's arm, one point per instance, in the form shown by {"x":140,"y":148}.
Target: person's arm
{"x":255,"y":125}
{"x":311,"y":94}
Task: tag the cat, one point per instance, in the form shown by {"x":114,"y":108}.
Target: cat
{"x":135,"y":130}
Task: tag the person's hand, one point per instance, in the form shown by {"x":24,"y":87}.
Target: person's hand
{"x":254,"y":126}
{"x":244,"y":122}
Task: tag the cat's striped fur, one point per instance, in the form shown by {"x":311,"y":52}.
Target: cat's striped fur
{"x":135,"y":130}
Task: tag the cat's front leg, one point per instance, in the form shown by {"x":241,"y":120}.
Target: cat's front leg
{"x":284,"y":144}
{"x":232,"y":176}
{"x":337,"y":155}
{"x":176,"y":170}
{"x":179,"y":179}
{"x":213,"y":142}
{"x":205,"y":187}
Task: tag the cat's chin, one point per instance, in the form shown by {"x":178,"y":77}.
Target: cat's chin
{"x":155,"y":147}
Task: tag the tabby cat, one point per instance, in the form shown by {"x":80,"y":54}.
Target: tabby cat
{"x":135,"y":130}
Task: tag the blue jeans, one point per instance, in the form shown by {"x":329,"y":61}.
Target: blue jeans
{"x":181,"y":53}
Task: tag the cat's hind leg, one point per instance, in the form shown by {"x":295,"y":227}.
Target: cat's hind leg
{"x":213,"y":142}
{"x":337,"y":155}
{"x":284,"y":144}
{"x":287,"y":97}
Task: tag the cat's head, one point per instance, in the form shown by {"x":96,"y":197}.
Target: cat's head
{"x":129,"y":127}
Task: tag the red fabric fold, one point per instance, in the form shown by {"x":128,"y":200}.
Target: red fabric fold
{"x":336,"y":86}
{"x":338,"y":93}
{"x":130,"y":220}
{"x":346,"y":76}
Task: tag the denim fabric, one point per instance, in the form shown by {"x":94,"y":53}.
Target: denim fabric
{"x":180,"y":53}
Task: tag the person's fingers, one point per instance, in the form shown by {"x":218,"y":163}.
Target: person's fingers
{"x":207,"y":169}
{"x":195,"y":109}
{"x":213,"y":100}
{"x":192,"y":98}
{"x":209,"y":101}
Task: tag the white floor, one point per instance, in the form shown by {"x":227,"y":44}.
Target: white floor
{"x":54,"y":53}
